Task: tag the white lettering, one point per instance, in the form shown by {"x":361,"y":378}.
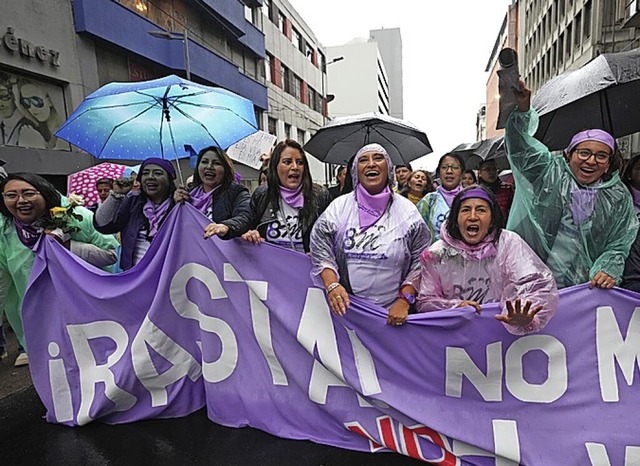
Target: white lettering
{"x":459,"y":364}
{"x":598,"y":455}
{"x":90,"y":372}
{"x":506,"y":444}
{"x":59,"y":385}
{"x":221,"y":369}
{"x":365,"y":366}
{"x":183,"y":364}
{"x":612,"y":346}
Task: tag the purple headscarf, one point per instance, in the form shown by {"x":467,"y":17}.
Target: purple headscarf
{"x":597,"y":135}
{"x":162,"y":163}
{"x":371,"y":206}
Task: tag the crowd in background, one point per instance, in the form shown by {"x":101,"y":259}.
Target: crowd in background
{"x":402,"y":239}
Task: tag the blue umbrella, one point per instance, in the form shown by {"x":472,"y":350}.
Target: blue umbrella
{"x":138,"y":120}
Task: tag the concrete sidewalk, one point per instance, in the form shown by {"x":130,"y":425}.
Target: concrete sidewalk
{"x":12,"y":379}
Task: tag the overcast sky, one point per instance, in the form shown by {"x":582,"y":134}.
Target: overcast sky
{"x":446,"y":46}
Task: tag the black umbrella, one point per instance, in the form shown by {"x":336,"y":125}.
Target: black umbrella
{"x":338,"y":141}
{"x":604,"y":94}
{"x":488,"y":149}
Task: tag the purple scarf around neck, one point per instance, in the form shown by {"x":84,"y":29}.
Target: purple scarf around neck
{"x":449,"y":195}
{"x":292,"y":197}
{"x":201,"y":200}
{"x":27,"y":233}
{"x":636,"y":196}
{"x":477,"y":252}
{"x":155,"y":214}
{"x":371,"y":206}
{"x":583,"y":200}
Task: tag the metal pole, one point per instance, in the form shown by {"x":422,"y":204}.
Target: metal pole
{"x":187,"y":67}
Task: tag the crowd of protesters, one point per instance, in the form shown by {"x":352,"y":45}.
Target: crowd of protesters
{"x":460,"y":239}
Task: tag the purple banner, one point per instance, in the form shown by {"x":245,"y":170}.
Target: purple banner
{"x":241,"y":330}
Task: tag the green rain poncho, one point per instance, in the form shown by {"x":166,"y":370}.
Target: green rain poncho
{"x":16,"y":262}
{"x":576,"y":230}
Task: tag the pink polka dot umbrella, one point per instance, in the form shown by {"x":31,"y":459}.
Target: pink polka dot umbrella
{"x":84,"y":182}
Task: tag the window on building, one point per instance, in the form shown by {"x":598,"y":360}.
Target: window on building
{"x":561,"y":9}
{"x":296,"y":85}
{"x":300,"y":136}
{"x":281,"y":22}
{"x":311,"y":98}
{"x":286,"y":79}
{"x":273,"y":126}
{"x":578,"y":30}
{"x":287,"y":130}
{"x":560,"y":50}
{"x":568,"y":47}
{"x":268,"y":63}
{"x":309,"y":51}
{"x":258,"y":114}
{"x":296,"y":38}
{"x":586,"y":28}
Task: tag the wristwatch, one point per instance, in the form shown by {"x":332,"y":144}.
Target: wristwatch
{"x":408,"y":297}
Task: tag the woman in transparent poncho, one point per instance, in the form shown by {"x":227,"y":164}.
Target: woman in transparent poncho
{"x":572,"y":210}
{"x":368,"y":242}
{"x":477,"y":262}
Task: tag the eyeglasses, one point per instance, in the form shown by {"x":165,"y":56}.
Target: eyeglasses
{"x":450,"y":167}
{"x":6,"y":96}
{"x":585,"y":154}
{"x":36,"y":101}
{"x":27,"y":194}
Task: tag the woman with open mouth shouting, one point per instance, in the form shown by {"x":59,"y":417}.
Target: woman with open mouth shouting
{"x":418,"y":185}
{"x":368,"y":242}
{"x":217,"y":195}
{"x":26,"y":208}
{"x":572,"y":210}
{"x":285,"y":210}
{"x":477,"y":262}
{"x":435,"y":206}
{"x":138,"y":215}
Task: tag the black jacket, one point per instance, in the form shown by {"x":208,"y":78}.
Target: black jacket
{"x":232,"y":208}
{"x":263,"y":213}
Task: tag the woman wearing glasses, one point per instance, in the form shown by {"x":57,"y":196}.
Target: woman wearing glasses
{"x":435,"y":206}
{"x":573,"y":210}
{"x":27,"y":200}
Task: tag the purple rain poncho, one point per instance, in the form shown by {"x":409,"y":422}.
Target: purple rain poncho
{"x":511,"y":270}
{"x":576,"y":230}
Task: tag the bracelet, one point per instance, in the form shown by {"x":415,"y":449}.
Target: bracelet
{"x":332,"y":287}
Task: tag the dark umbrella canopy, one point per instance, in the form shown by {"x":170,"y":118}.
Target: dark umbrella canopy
{"x":488,"y":149}
{"x":604,"y":94}
{"x":338,"y":141}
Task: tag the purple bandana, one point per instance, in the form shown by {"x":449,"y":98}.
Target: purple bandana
{"x":449,"y":195}
{"x":476,"y":193}
{"x":292,"y":197}
{"x":636,"y":196}
{"x":597,"y":135}
{"x":201,"y":200}
{"x":371,"y":206}
{"x":155,"y":214}
{"x":478,"y":252}
{"x":28,"y":234}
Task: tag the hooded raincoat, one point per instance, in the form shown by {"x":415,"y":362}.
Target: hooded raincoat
{"x":376,"y":262}
{"x":576,"y":230}
{"x":510,"y":270}
{"x":16,"y":261}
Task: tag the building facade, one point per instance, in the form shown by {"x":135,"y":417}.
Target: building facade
{"x":390,"y":46}
{"x":68,"y":49}
{"x":295,"y":74}
{"x":562,"y":35}
{"x":359,"y":80}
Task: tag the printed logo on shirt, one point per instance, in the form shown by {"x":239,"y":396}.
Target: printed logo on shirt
{"x":362,"y":245}
{"x":278,"y":230}
{"x":476,"y":290}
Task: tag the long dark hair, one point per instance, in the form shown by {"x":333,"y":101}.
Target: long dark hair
{"x":227,"y":164}
{"x":52,"y":197}
{"x":273,"y":181}
{"x":497,"y":218}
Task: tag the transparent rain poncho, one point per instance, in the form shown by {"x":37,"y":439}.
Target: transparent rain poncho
{"x":576,"y":230}
{"x":451,"y":275}
{"x":374,"y":263}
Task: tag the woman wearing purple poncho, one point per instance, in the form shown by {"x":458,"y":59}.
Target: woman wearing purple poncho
{"x":138,"y":215}
{"x":368,"y":242}
{"x":217,"y":195}
{"x":477,"y":262}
